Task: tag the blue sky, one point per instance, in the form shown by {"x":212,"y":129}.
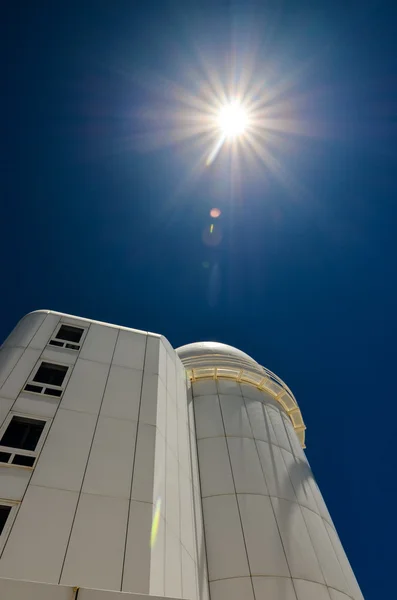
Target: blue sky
{"x":103,"y":217}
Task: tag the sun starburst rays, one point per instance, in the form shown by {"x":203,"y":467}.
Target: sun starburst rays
{"x":240,"y":111}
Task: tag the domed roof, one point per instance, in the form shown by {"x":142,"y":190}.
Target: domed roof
{"x":202,"y":348}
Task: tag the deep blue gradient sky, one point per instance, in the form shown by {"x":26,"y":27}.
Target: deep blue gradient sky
{"x":99,"y":222}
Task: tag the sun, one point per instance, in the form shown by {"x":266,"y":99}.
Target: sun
{"x":232,"y":119}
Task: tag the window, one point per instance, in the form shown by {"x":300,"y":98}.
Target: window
{"x":8,"y":511}
{"x":50,"y":373}
{"x":68,"y":336}
{"x":5,"y":510}
{"x":20,"y":438}
{"x":22,"y":433}
{"x":52,"y":376}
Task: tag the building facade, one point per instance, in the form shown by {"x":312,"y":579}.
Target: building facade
{"x":129,"y":469}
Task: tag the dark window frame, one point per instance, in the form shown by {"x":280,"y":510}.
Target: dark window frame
{"x":45,"y":368}
{"x":72,"y":338}
{"x":30,"y":431}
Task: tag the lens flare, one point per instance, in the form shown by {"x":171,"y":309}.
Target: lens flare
{"x":215,"y":213}
{"x":155,"y":523}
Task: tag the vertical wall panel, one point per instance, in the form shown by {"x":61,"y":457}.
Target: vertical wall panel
{"x":143,"y":477}
{"x":173,"y":565}
{"x":109,"y":468}
{"x":136,"y":573}
{"x":122,"y":393}
{"x":99,"y":343}
{"x":301,"y":556}
{"x":24,"y":331}
{"x":37,"y":544}
{"x":45,"y":331}
{"x":96,"y":547}
{"x":224,"y":538}
{"x":8,"y":359}
{"x":130,"y":350}
{"x":64,"y":456}
{"x":86,"y":386}
{"x":19,"y":374}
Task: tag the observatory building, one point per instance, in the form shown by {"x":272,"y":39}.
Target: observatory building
{"x":130,"y":470}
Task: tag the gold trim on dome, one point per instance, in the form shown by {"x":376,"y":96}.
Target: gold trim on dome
{"x":264,"y":380}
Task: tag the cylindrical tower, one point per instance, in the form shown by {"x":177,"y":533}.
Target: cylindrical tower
{"x":268,"y":533}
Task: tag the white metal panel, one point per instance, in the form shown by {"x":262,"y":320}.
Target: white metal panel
{"x":159,"y":479}
{"x":13,"y":482}
{"x":136,"y":574}
{"x":301,"y":556}
{"x":172,"y":424}
{"x":262,"y":538}
{"x":38,"y":539}
{"x":308,"y":590}
{"x":64,"y":456}
{"x":228,"y":387}
{"x":261,"y":426}
{"x":183,"y":444}
{"x":25,"y":329}
{"x":143,"y":476}
{"x":59,"y":355}
{"x":299,"y":474}
{"x":246,"y":467}
{"x":36,"y":404}
{"x":325,"y":552}
{"x":206,"y":387}
{"x":224,"y":537}
{"x":273,"y":588}
{"x":157,"y":561}
{"x":279,"y":428}
{"x":45,"y":331}
{"x":181,"y":389}
{"x":194,"y":461}
{"x":252,"y":393}
{"x":238,"y":588}
{"x":21,"y":371}
{"x":85,"y":594}
{"x":173,"y":565}
{"x":156,"y":358}
{"x":130,"y":350}
{"x":9,"y":357}
{"x":122,"y":393}
{"x":96,"y":548}
{"x":171,"y":375}
{"x":208,"y":417}
{"x":172,"y":508}
{"x":336,"y":595}
{"x":235,"y":416}
{"x":12,"y":589}
{"x":153,"y":402}
{"x":189,"y":583}
{"x":215,"y":472}
{"x":170,"y":350}
{"x":99,"y":343}
{"x":351,"y":580}
{"x":109,"y":468}
{"x":293,"y":438}
{"x":275,"y":472}
{"x":186,"y":510}
{"x":322,"y":507}
{"x":86,"y":386}
{"x":5,"y":407}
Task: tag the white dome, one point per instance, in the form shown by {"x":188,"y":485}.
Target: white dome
{"x":198,"y":349}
